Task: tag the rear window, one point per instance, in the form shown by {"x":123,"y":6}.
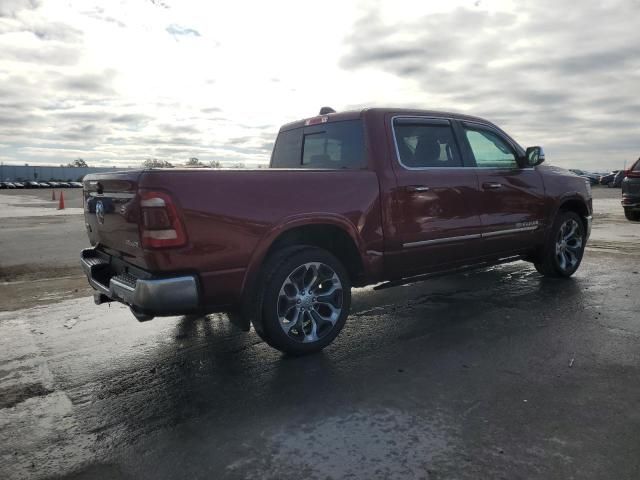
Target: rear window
{"x":636,"y":167}
{"x":329,"y":145}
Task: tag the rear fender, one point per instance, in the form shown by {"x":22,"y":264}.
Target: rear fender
{"x":289,"y":223}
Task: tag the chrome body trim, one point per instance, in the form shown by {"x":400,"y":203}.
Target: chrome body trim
{"x":510,"y":231}
{"x":112,"y":195}
{"x":437,"y":241}
{"x":459,"y":238}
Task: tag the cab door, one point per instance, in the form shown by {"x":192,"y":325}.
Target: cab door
{"x":512,"y":197}
{"x":437,"y":221}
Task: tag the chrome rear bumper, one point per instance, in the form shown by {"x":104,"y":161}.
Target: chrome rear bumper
{"x":154,"y":296}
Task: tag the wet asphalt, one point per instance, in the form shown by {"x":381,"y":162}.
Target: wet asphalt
{"x":495,"y":374}
{"x":498,"y":373}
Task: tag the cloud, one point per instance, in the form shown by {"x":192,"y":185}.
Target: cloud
{"x":27,"y":47}
{"x":130,"y":119}
{"x":546,"y":76}
{"x":9,"y":8}
{"x":109,"y":78}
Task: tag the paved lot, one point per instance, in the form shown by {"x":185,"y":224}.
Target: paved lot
{"x":494,"y":374}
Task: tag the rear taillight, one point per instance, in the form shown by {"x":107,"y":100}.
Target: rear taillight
{"x":160,"y":225}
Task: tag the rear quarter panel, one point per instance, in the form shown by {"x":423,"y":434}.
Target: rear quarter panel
{"x":232,"y":217}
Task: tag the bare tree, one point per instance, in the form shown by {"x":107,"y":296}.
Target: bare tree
{"x":78,"y":162}
{"x":194,"y":162}
{"x":215,"y":164}
{"x":155,"y":163}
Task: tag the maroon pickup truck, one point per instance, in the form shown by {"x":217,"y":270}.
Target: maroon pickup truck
{"x":350,"y":199}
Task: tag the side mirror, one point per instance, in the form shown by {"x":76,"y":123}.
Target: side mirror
{"x":534,"y":156}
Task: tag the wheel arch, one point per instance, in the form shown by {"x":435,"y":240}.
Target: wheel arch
{"x":575,"y":203}
{"x":332,"y":233}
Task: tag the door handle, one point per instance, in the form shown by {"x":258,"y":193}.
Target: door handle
{"x":416,"y":188}
{"x":491,"y":185}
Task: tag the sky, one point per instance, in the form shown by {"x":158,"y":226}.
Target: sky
{"x":117,"y":82}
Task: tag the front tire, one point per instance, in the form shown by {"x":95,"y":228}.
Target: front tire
{"x":563,"y":251}
{"x":632,"y":215}
{"x":305,"y":300}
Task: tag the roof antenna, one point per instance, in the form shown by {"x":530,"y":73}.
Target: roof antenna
{"x":326,"y":110}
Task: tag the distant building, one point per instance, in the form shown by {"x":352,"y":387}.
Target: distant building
{"x":32,"y":172}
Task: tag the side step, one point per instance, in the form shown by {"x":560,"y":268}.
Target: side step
{"x":440,"y":273}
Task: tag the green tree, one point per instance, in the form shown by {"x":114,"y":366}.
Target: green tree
{"x":215,"y":164}
{"x":194,"y":162}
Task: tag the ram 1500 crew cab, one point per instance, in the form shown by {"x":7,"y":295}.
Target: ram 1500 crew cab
{"x":350,"y":199}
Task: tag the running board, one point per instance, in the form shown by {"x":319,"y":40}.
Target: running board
{"x":440,"y":273}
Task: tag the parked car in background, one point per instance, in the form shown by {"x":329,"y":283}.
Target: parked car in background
{"x":617,"y":179}
{"x":75,"y":184}
{"x":44,"y":185}
{"x":64,"y":185}
{"x":631,"y":193}
{"x":31,"y":185}
{"x":18,"y":184}
{"x":5,"y":185}
{"x":608,"y":178}
{"x":593,"y":178}
{"x":350,"y":199}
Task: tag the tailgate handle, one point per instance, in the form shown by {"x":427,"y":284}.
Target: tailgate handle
{"x":491,"y":185}
{"x":416,"y":188}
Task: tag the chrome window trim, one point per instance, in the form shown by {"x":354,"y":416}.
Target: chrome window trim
{"x":502,"y":135}
{"x":448,"y":119}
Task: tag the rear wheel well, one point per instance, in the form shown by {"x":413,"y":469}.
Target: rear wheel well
{"x":328,"y":237}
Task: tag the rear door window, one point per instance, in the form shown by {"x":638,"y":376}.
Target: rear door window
{"x":426,"y":144}
{"x":329,"y":145}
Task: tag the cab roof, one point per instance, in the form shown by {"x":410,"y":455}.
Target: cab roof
{"x":357,"y":114}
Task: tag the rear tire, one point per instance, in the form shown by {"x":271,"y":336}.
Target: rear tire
{"x":304,"y":301}
{"x":632,"y":215}
{"x":563,"y":251}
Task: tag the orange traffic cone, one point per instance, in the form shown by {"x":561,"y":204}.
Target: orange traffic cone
{"x":61,"y":202}
{"x":53,"y":195}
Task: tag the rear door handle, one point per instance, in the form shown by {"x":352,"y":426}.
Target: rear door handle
{"x":491,"y":185}
{"x":416,"y":188}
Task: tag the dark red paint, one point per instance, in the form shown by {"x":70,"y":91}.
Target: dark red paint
{"x":232,"y":217}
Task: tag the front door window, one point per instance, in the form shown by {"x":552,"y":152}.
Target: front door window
{"x":489,"y":150}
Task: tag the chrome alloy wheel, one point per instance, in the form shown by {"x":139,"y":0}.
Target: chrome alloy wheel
{"x":569,"y":245}
{"x":310,"y":302}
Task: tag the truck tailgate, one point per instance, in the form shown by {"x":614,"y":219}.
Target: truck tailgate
{"x":111,"y":212}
